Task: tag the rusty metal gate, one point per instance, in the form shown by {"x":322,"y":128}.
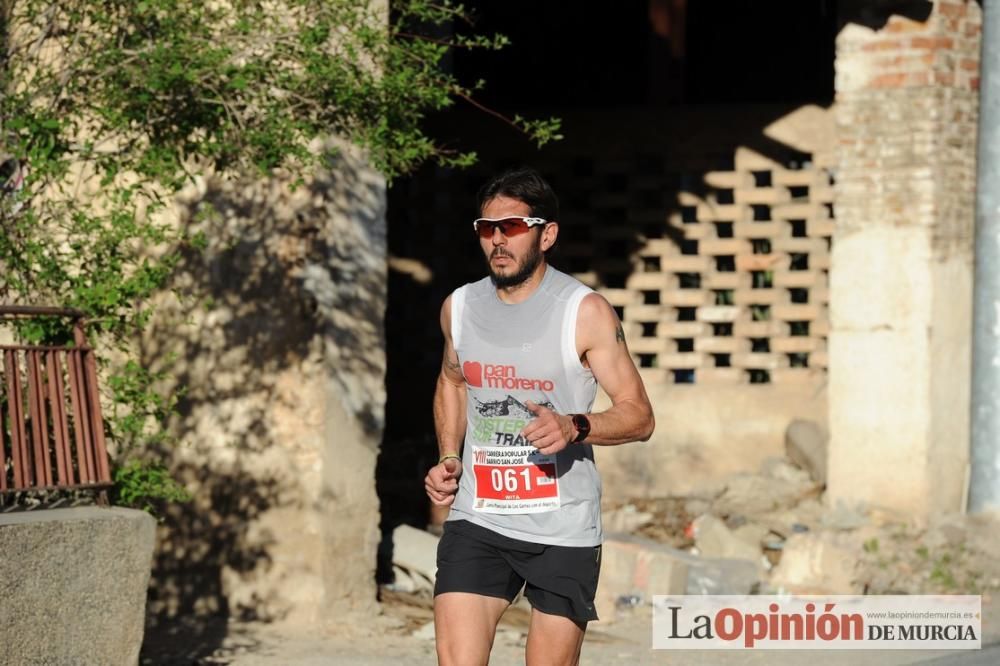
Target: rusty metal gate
{"x":51,"y":428}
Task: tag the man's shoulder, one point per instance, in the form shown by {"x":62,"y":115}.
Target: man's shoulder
{"x":565,"y":286}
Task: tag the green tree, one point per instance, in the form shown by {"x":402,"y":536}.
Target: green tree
{"x":109,"y":107}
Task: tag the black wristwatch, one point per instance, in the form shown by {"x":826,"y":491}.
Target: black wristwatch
{"x":582,"y":425}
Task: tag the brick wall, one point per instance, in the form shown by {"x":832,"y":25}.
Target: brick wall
{"x":907,"y":100}
{"x":902,"y":273}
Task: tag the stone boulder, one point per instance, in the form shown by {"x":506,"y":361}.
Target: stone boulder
{"x":714,"y":539}
{"x":73,"y":584}
{"x":778,"y":486}
{"x":817,"y":563}
{"x":634,"y":569}
{"x":805,"y":445}
{"x":637,"y":568}
{"x":414,"y":559}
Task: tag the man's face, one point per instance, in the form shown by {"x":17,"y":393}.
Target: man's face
{"x":511,"y":260}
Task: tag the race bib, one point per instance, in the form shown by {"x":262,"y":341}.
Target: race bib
{"x":515,"y":479}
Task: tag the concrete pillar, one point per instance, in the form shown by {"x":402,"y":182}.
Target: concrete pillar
{"x":984,"y":486}
{"x":901,"y":276}
{"x":280,"y":346}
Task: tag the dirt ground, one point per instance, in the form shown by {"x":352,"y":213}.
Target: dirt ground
{"x":388,"y":642}
{"x":779,"y":512}
{"x":957,"y":554}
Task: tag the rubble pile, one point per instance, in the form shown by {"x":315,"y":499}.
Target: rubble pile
{"x":771,"y":532}
{"x":952,"y":554}
{"x":766,"y":532}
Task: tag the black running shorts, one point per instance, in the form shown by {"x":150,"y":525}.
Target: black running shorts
{"x":558,"y":580}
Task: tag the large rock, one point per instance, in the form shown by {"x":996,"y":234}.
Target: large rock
{"x":714,"y":539}
{"x":638,"y":568}
{"x":816,"y":563}
{"x":805,"y":445}
{"x":634,"y":569}
{"x":415,"y":552}
{"x":778,"y":487}
{"x":73,"y":585}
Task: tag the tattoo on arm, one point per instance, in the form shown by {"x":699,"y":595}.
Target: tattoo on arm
{"x":451,"y":365}
{"x":619,"y":334}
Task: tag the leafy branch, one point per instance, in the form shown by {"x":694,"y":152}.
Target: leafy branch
{"x":109,"y":107}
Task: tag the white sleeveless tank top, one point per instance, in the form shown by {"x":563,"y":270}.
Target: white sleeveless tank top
{"x":512,"y":353}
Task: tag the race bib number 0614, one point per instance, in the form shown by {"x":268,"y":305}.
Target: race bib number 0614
{"x":515,"y":479}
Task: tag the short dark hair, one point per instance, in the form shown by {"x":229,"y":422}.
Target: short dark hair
{"x":525,"y":185}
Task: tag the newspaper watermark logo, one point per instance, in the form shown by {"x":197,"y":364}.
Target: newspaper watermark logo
{"x":840,"y":622}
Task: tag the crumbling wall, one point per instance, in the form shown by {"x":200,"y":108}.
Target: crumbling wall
{"x":277,"y":340}
{"x":902,"y":256}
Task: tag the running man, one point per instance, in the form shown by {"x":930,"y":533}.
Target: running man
{"x":525,"y":349}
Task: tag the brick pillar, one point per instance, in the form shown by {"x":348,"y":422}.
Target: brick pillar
{"x":901,"y":275}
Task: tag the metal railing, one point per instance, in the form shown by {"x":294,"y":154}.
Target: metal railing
{"x":51,"y":428}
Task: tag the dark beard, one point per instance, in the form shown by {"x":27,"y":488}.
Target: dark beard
{"x":531,"y":262}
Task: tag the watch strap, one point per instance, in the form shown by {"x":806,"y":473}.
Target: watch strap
{"x":582,"y":424}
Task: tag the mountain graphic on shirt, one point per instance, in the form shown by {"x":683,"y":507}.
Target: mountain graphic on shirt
{"x":509,"y":406}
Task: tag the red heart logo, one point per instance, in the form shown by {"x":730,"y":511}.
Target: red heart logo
{"x":473,"y":371}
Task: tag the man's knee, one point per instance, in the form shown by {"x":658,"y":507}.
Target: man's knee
{"x":554,"y":640}
{"x":457,"y":650}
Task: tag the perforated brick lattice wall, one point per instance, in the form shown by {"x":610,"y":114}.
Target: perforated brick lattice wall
{"x":710,"y":238}
{"x":735,"y":289}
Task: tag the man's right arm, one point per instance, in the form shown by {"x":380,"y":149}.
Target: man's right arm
{"x":449,"y":418}
{"x":450,"y":394}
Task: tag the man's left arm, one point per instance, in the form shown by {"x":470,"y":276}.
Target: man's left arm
{"x":600,"y":340}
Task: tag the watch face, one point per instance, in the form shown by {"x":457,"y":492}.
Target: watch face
{"x":582,"y":424}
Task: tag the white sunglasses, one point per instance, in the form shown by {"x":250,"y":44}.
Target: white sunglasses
{"x":513,"y":225}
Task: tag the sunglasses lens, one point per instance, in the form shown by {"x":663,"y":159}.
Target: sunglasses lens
{"x":512,"y":226}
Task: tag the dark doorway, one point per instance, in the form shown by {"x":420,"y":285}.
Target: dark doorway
{"x":661,"y":51}
{"x":646,"y":91}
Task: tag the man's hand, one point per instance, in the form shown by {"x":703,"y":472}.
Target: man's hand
{"x":548,"y":432}
{"x":441,"y":482}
